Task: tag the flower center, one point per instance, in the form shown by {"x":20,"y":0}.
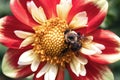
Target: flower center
{"x":49,"y":42}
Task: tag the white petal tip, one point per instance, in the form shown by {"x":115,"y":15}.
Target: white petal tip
{"x":22,"y":34}
{"x":35,"y":65}
{"x":100,"y":46}
{"x":80,"y":20}
{"x":87,"y":51}
{"x":27,"y":42}
{"x":26,"y":58}
{"x":43,"y":70}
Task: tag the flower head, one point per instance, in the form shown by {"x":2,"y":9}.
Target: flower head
{"x":45,"y":37}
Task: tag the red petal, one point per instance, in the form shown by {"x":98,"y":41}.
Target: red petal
{"x":112,"y":46}
{"x":95,"y":12}
{"x":10,"y":67}
{"x":60,"y":75}
{"x":24,"y":72}
{"x":49,"y":7}
{"x":94,"y":72}
{"x":8,"y":25}
{"x":107,"y":38}
{"x":20,"y":11}
{"x":40,"y":67}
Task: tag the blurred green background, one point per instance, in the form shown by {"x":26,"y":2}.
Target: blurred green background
{"x":112,"y":22}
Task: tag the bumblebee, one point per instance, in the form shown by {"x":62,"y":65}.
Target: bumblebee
{"x":72,"y":40}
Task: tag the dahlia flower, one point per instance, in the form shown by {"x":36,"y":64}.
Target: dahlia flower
{"x":45,"y":37}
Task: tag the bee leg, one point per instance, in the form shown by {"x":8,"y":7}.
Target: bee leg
{"x":63,"y":52}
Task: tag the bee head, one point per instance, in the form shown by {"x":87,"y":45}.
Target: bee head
{"x":71,"y":37}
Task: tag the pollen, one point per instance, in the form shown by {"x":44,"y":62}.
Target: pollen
{"x":49,"y":42}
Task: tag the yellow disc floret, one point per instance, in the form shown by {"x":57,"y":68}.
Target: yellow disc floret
{"x":50,"y":42}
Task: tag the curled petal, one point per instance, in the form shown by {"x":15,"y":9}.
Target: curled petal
{"x":77,"y":67}
{"x":83,"y":71}
{"x":87,"y":51}
{"x":79,"y":21}
{"x":100,"y":46}
{"x":10,"y":67}
{"x":92,"y":49}
{"x":37,"y":13}
{"x":96,"y":11}
{"x":19,"y":9}
{"x":112,"y":44}
{"x":98,"y":51}
{"x":81,"y":60}
{"x":94,"y":72}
